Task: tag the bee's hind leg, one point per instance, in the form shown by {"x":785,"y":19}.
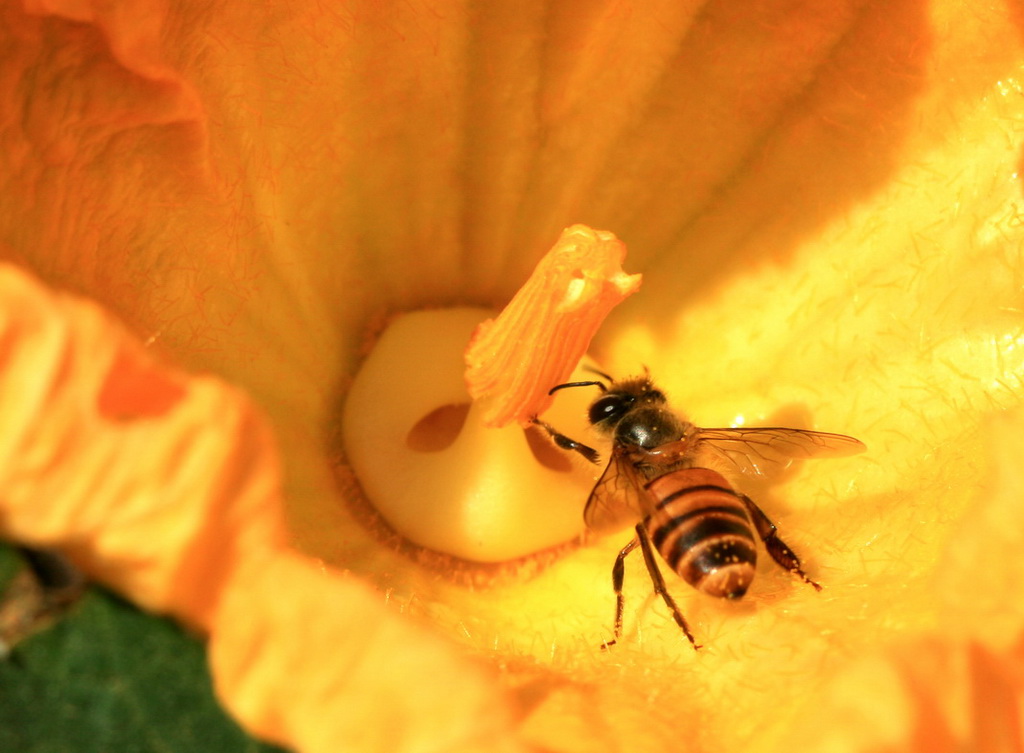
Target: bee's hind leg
{"x":566,"y":443}
{"x":782,"y":554}
{"x":659,"y":581}
{"x":618,"y":576}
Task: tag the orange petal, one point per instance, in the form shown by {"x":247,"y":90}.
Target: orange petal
{"x":355,"y":677}
{"x":172,"y":496}
{"x":136,"y":388}
{"x":540,"y":336}
{"x":115,"y":459}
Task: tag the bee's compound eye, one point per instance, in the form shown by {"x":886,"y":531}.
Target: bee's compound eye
{"x":608,"y":407}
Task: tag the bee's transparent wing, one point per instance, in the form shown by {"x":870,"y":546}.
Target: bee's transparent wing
{"x":617,"y":498}
{"x":762,"y":451}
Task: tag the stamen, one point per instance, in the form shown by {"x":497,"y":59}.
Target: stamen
{"x":421,"y":443}
{"x":540,"y":336}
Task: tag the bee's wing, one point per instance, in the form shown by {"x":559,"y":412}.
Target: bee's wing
{"x":617,"y":498}
{"x":760,"y":451}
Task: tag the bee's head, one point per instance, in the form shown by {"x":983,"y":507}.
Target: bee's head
{"x":636,"y":397}
{"x":623,"y":397}
{"x":633,"y":412}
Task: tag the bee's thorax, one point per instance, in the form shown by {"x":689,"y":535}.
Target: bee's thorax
{"x":649,"y":428}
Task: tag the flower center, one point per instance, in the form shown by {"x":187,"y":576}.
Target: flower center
{"x":435,"y":472}
{"x":439,"y":422}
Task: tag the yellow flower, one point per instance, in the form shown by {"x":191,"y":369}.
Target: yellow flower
{"x":823,"y":201}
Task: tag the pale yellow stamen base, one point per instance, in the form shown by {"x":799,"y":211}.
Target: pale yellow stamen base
{"x":478,"y":493}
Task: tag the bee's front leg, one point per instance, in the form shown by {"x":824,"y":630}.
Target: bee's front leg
{"x":567,"y":443}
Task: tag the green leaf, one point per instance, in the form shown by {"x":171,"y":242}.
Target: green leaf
{"x":111,"y":679}
{"x":10,"y":563}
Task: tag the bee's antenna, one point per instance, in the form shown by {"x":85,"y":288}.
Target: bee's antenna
{"x":600,"y":373}
{"x":558,"y":387}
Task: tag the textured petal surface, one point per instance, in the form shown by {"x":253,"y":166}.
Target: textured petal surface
{"x":824,"y":202}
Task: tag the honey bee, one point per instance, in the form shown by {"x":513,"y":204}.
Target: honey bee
{"x":658,"y":475}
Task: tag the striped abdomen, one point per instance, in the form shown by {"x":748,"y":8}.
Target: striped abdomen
{"x":701,"y":528}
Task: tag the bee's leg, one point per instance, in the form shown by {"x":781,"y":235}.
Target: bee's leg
{"x":618,"y":575}
{"x":776,"y":547}
{"x":659,"y":581}
{"x":568,"y":444}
